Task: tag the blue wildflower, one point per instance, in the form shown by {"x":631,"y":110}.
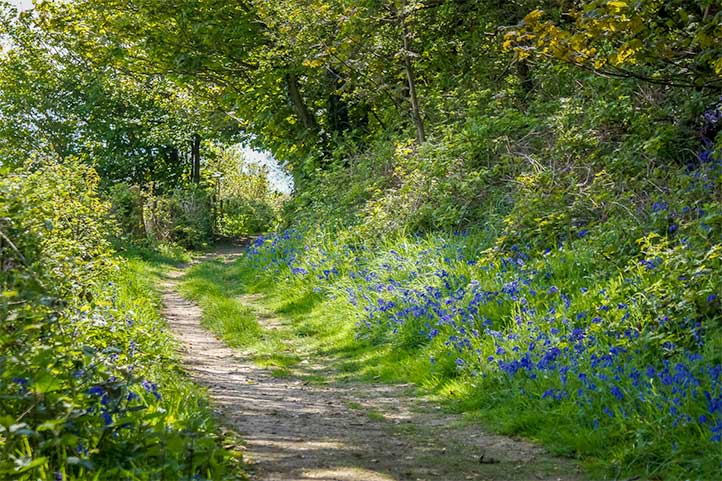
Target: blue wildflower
{"x":107,"y":417}
{"x":659,"y":206}
{"x":96,"y":391}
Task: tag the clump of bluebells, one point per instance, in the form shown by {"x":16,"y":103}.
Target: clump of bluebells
{"x":633,"y":350}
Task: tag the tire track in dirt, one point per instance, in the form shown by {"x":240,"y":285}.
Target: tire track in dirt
{"x":297,"y":431}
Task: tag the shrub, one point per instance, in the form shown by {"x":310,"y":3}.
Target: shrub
{"x":127,"y":206}
{"x":84,"y":393}
{"x":184,"y":217}
{"x":242,"y":217}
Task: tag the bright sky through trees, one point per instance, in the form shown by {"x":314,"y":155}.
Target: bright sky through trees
{"x":22,"y":4}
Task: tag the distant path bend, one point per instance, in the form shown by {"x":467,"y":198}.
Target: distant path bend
{"x":296,"y":431}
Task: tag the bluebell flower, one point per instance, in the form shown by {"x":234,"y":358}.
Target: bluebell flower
{"x":107,"y":417}
{"x":96,"y":391}
{"x":659,"y":206}
{"x":151,"y":388}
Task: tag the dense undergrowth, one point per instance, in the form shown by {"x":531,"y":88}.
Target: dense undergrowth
{"x":91,"y":387}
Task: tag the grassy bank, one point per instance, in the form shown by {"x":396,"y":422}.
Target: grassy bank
{"x":179,"y":437}
{"x":545,"y":344}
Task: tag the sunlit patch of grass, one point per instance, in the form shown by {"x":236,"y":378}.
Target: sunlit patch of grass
{"x":277,"y":360}
{"x":208,"y":285}
{"x":375,"y":415}
{"x":281,"y":373}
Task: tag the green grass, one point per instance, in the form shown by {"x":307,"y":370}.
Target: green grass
{"x":187,"y":411}
{"x":313,"y":324}
{"x":156,"y":258}
{"x":209,"y":285}
{"x":375,"y":416}
{"x":322,"y":329}
{"x":313,"y":329}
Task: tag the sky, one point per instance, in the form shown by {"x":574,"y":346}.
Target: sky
{"x":278,"y":177}
{"x":22,"y":4}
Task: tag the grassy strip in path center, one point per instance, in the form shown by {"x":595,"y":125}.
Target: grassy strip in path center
{"x":280,"y":328}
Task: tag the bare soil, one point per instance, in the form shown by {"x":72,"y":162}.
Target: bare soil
{"x":295,"y":430}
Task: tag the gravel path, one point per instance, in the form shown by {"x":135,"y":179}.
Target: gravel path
{"x":295,"y":430}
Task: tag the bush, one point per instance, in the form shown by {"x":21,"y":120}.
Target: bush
{"x":184,"y":217}
{"x":191,"y":216}
{"x":84,"y":365}
{"x":243,"y":217}
{"x":127,"y":206}
{"x":244,"y":200}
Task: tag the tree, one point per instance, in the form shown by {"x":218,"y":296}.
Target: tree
{"x":55,"y":103}
{"x":667,"y":42}
{"x":302,"y":77}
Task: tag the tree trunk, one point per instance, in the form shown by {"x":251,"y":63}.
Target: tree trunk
{"x":196,"y":158}
{"x":173,"y":156}
{"x":527,"y":83}
{"x":415,"y":109}
{"x":299,"y":106}
{"x":338,"y":119}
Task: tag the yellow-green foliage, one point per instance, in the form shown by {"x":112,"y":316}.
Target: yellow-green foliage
{"x":245,"y":202}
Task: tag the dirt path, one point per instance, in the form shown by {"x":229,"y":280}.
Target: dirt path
{"x":297,"y":431}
